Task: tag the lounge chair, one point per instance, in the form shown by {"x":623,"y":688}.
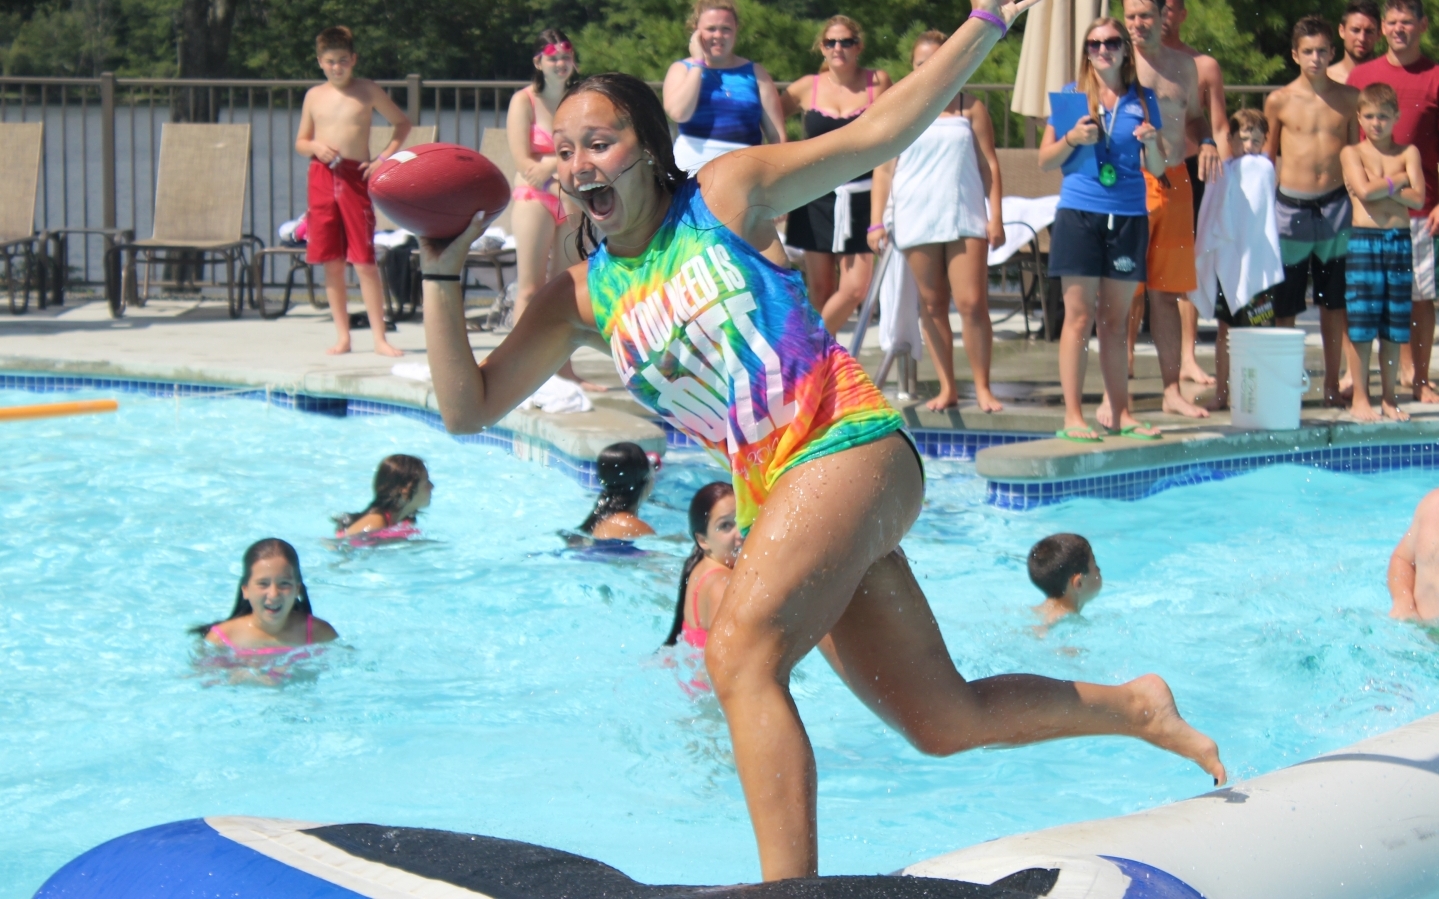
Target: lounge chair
{"x":1022,"y":177}
{"x":271,"y":308}
{"x":199,"y":209}
{"x":23,"y":248}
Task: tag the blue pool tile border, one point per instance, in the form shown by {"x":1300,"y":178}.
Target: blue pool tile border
{"x":581,"y":470}
{"x":958,"y":446}
{"x":1133,"y":485}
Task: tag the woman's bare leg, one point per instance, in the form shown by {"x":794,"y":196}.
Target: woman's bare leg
{"x":969,"y":281}
{"x":926,"y":263}
{"x":1115,"y":303}
{"x":855,"y":270}
{"x":1079,"y":300}
{"x":821,"y":276}
{"x":821,"y":560}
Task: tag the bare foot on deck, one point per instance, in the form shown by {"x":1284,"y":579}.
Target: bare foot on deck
{"x":1217,"y":402}
{"x":1362,"y":411}
{"x":1155,"y":719}
{"x":1104,"y":415}
{"x":987,"y":400}
{"x":942,"y":402}
{"x":1190,"y":371}
{"x":1393,"y":412}
{"x":385,"y":349}
{"x":339,"y":349}
{"x":1346,"y":387}
{"x":1176,"y":404}
{"x":1423,"y":393}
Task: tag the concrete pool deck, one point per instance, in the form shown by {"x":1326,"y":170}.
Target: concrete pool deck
{"x":186,"y":340}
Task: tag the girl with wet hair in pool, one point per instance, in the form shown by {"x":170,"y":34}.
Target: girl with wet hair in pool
{"x":707,"y":571}
{"x":272,"y":616}
{"x":626,"y":477}
{"x":708,"y":329}
{"x":402,"y":489}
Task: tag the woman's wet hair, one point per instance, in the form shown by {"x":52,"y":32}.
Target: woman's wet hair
{"x":555,"y":36}
{"x":703,"y":6}
{"x":268,"y":548}
{"x":623,"y":470}
{"x":638,"y":108}
{"x":701,"y":507}
{"x":396,"y":481}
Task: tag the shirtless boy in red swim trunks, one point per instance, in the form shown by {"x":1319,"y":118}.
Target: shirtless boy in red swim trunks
{"x":335,"y":134}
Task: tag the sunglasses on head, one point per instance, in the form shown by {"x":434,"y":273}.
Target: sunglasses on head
{"x":557,"y":49}
{"x":1112,"y":44}
{"x":845,"y":42}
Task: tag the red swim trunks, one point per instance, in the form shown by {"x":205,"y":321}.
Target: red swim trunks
{"x":341,"y":220}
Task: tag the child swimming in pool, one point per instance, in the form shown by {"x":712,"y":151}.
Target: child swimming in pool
{"x":1063,"y":567}
{"x":707,"y":570}
{"x":402,"y":489}
{"x":627,"y":475}
{"x":1414,"y":566}
{"x":272,"y":619}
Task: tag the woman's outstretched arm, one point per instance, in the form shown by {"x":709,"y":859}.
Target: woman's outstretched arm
{"x":473,"y":396}
{"x":781,"y":177}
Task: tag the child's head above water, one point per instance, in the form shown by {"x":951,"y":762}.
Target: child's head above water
{"x":271,"y":587}
{"x":1063,"y":567}
{"x":626,"y":477}
{"x":716,"y":536}
{"x":402,"y":489}
{"x":1250,"y":130}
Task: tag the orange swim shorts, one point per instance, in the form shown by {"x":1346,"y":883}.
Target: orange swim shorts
{"x":1170,"y":265}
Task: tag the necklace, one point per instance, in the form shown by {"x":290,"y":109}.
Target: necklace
{"x":1108,"y":174}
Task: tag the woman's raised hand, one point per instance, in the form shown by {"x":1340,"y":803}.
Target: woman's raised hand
{"x":1009,"y":11}
{"x":447,"y":257}
{"x":697,"y":52}
{"x":1146,"y":133}
{"x":1084,"y":132}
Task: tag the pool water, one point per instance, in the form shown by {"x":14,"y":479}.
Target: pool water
{"x":487,"y":681}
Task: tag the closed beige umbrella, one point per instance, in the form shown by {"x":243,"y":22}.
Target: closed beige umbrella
{"x":1049,"y":58}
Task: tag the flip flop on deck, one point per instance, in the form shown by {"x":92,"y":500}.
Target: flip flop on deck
{"x":1068,"y":434}
{"x":1132,"y":432}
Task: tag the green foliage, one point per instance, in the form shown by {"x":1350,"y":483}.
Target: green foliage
{"x":1211,"y":28}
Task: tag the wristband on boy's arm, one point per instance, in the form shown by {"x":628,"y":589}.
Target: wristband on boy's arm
{"x":1390,"y":182}
{"x":873,"y":228}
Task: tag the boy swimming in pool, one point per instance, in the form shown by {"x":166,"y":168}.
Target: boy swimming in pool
{"x":1063,"y":567}
{"x":1414,"y":566}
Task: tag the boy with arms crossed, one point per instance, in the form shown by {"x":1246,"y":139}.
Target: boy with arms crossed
{"x":1415,"y":79}
{"x":1174,"y":78}
{"x":1311,"y":120}
{"x":1386,"y":180}
{"x":335,"y":133}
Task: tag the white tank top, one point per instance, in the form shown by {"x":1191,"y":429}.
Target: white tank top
{"x":938,"y":193}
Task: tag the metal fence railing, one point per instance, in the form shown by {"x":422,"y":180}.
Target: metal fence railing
{"x":102,"y":140}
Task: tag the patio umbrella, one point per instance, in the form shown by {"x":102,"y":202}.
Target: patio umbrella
{"x":1049,"y":57}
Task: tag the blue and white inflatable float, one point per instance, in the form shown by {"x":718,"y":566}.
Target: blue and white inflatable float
{"x":1359,"y":823}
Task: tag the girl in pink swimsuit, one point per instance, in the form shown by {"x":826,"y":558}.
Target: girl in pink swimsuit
{"x":272,"y":624}
{"x":402,"y":489}
{"x":707,"y":570}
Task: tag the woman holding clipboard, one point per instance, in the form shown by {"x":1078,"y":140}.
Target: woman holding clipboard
{"x":1101,"y":231}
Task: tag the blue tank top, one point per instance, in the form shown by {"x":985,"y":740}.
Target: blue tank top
{"x":728,"y":107}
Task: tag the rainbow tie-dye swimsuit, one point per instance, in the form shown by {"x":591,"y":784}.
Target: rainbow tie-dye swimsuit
{"x":724,"y":345}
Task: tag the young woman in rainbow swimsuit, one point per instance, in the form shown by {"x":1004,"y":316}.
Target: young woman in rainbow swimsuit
{"x":707,"y":328}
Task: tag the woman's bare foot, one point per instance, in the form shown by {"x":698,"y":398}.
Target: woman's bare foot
{"x":1393,"y":412}
{"x":384,"y":348}
{"x":944,"y":401}
{"x":1104,"y":415}
{"x":1361,"y":410}
{"x":1335,"y":398}
{"x":1175,"y":404}
{"x":1190,"y":371}
{"x":987,"y":400}
{"x":340,"y":348}
{"x":1423,"y":393}
{"x":1128,"y":422}
{"x":1346,"y":386}
{"x":1155,"y":719}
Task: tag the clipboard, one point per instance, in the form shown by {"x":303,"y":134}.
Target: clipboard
{"x":1066,"y":108}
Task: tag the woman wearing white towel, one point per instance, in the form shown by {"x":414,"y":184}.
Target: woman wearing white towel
{"x":938,"y":187}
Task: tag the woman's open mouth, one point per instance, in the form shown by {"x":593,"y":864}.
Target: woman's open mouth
{"x":599,"y":199}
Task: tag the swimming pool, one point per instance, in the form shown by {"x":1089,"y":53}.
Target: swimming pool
{"x":494,"y":684}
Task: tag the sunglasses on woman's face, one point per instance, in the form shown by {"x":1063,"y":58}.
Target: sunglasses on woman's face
{"x":845,"y":42}
{"x":1112,"y":44}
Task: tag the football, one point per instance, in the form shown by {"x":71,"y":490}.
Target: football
{"x":434,"y":190}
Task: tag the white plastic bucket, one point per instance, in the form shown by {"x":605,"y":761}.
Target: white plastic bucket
{"x":1267,"y":381}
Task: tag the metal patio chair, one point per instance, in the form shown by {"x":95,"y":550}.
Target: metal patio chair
{"x":1022,"y":177}
{"x":199,"y":211}
{"x":23,"y":248}
{"x":271,"y":308}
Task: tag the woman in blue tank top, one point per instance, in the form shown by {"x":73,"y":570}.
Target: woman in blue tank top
{"x":708,"y":328}
{"x":720,"y":101}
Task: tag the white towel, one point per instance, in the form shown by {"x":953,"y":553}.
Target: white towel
{"x":691,"y":153}
{"x":391,"y":239}
{"x":412,"y":371}
{"x":1037,"y":213}
{"x":558,"y":395}
{"x":899,"y":307}
{"x":1236,"y":244}
{"x":493,"y":239}
{"x":843,"y":227}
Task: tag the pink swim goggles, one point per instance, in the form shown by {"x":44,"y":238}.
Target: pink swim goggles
{"x":557,"y":49}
